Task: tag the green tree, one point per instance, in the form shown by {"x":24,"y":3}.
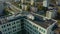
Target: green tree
{"x":40,"y":7}
{"x":28,"y":8}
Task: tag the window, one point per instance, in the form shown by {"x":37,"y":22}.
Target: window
{"x":39,"y":33}
{"x":18,"y":28}
{"x":17,"y":21}
{"x":0,"y":32}
{"x":14,"y":30}
{"x":19,"y":25}
{"x":13,"y":23}
{"x":35,"y":27}
{"x":44,"y":31}
{"x":20,"y":7}
{"x":9,"y":28}
{"x":6,"y":33}
{"x":54,"y":27}
{"x":41,"y":30}
{"x":3,"y":26}
{"x":4,"y":30}
{"x":14,"y":27}
{"x":10,"y":32}
{"x":8,"y":24}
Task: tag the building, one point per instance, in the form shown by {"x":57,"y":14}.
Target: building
{"x":10,"y":25}
{"x":51,"y":14}
{"x":39,"y":25}
{"x":24,"y":7}
{"x":26,"y":22}
{"x":46,"y":3}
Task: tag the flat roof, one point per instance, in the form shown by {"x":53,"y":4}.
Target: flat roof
{"x":4,"y":20}
{"x":43,"y":23}
{"x":39,"y":20}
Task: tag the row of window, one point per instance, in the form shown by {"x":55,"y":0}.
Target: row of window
{"x":33,"y":27}
{"x":42,"y":30}
{"x":26,"y":22}
{"x":28,"y":30}
{"x":8,"y":32}
{"x":14,"y":28}
{"x":10,"y":24}
{"x":31,"y":30}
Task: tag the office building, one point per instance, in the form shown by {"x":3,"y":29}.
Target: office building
{"x":39,"y":25}
{"x":10,"y":25}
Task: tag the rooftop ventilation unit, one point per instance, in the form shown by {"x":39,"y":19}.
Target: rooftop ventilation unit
{"x":30,"y":16}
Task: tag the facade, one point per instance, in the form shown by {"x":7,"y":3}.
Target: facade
{"x":10,"y":26}
{"x":46,"y":3}
{"x":38,"y":27}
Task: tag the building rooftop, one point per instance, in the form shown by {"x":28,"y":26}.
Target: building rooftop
{"x":38,"y":19}
{"x":43,"y":23}
{"x":7,"y":19}
{"x":41,"y":13}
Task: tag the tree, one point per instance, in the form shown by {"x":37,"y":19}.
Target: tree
{"x":40,"y":7}
{"x":28,"y":8}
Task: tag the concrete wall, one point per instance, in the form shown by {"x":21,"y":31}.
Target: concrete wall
{"x":1,"y":8}
{"x":39,"y":27}
{"x":49,"y":29}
